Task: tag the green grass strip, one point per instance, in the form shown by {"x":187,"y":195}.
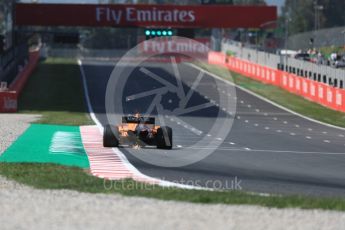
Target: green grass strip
{"x":55,"y":91}
{"x":50,"y":176}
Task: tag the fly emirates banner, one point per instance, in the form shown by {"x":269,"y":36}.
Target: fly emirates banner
{"x":124,"y":15}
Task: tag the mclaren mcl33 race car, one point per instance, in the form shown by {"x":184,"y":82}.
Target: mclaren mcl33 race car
{"x":137,"y":131}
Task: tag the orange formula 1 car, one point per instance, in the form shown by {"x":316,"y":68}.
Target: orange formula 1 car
{"x":138,"y":130}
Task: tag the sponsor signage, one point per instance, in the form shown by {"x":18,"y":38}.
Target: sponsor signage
{"x":176,"y":45}
{"x":136,"y":15}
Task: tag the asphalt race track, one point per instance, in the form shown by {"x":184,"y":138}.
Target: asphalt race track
{"x":268,"y":149}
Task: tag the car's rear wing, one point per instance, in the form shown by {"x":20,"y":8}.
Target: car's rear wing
{"x":141,"y":120}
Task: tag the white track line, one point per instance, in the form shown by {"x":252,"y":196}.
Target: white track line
{"x":266,"y":150}
{"x":87,"y":98}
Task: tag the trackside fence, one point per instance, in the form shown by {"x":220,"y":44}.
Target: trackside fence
{"x":317,"y":72}
{"x":321,"y":93}
{"x":9,"y":97}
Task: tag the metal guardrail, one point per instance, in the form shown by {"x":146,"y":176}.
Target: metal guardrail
{"x":321,"y":73}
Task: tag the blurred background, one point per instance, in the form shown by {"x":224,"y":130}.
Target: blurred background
{"x":309,"y":30}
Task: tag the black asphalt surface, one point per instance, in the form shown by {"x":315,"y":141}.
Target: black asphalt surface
{"x":267,"y":150}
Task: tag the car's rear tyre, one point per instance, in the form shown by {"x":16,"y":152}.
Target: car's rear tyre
{"x":162,"y":142}
{"x":110,"y":136}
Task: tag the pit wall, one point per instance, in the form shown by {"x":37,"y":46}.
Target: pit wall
{"x":328,"y":96}
{"x":9,"y":98}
